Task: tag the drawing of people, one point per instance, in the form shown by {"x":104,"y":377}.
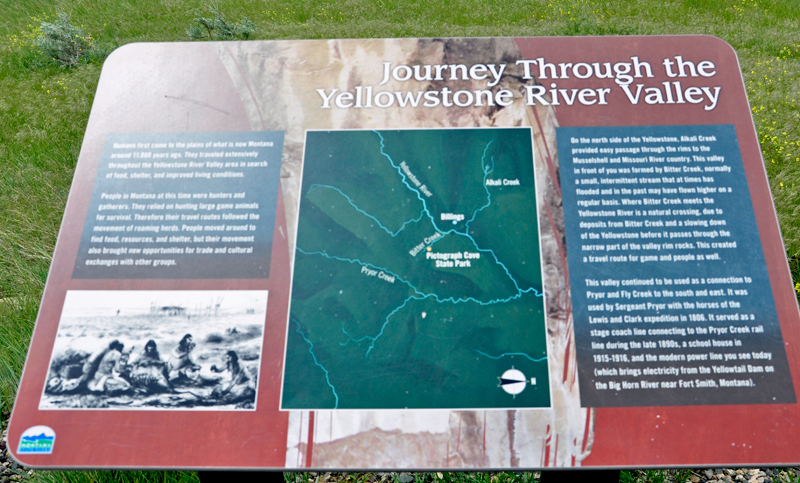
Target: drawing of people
{"x":239,"y":387}
{"x":180,"y":362}
{"x":149,"y":370}
{"x":103,"y":370}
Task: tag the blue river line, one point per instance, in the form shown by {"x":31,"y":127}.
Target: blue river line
{"x":383,"y":327}
{"x":404,"y":179}
{"x":349,"y":200}
{"x":422,"y":295}
{"x":444,"y":233}
{"x":311,"y":351}
{"x":487,"y":169}
{"x":359,"y":262}
{"x":419,"y":295}
{"x":511,"y":354}
{"x":350,"y":338}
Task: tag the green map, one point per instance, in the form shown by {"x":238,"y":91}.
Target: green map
{"x":417,"y":274}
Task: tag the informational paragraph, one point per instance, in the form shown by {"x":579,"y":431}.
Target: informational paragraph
{"x":671,"y":300}
{"x":183,"y":205}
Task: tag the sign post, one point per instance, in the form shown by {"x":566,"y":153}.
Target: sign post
{"x":476,"y":253}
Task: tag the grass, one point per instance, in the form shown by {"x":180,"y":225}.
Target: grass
{"x":115,"y":477}
{"x":44,"y":110}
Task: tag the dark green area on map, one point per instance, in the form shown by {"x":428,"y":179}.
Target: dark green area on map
{"x":374,"y":323}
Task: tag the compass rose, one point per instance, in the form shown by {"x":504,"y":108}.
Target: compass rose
{"x":512,"y":381}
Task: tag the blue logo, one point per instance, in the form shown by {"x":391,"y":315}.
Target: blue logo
{"x":37,"y":440}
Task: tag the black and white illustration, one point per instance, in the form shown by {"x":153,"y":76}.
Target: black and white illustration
{"x":157,"y":349}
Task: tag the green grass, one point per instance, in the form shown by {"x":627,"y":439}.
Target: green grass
{"x":655,"y":476}
{"x":115,"y":477}
{"x":44,"y":108}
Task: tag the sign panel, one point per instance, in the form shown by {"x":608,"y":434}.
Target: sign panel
{"x":416,"y":254}
{"x":673,"y":285}
{"x":441,"y":320}
{"x":182,"y":205}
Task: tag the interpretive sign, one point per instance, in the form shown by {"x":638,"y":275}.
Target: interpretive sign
{"x":416,"y":253}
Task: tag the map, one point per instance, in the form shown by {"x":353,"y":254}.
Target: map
{"x":417,"y":275}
